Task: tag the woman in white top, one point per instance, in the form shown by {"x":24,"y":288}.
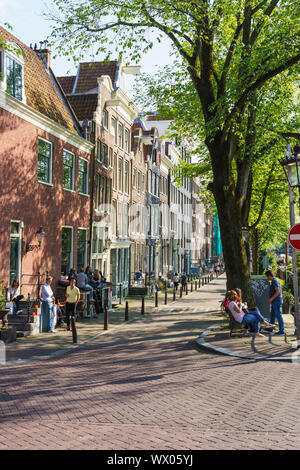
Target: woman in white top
{"x":241,"y":315}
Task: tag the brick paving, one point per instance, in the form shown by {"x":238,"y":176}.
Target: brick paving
{"x":146,"y":386}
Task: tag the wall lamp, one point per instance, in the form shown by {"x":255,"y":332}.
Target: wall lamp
{"x":40,"y":236}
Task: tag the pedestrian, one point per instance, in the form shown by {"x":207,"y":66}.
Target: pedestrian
{"x":72,"y":273}
{"x":82,"y":284}
{"x":176,"y":280}
{"x":275,"y":300}
{"x":239,"y":313}
{"x":183,"y":280}
{"x":13,"y":296}
{"x":48,"y":307}
{"x":72,"y":297}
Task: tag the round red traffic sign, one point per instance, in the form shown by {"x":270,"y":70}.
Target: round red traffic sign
{"x":294,"y":237}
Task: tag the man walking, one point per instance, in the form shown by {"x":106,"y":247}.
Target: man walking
{"x":72,"y":297}
{"x":275,"y":300}
{"x":48,"y":307}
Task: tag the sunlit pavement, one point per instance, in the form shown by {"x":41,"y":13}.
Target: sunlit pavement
{"x":146,"y":386}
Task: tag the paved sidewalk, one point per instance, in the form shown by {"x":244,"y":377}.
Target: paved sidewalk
{"x":146,"y":386}
{"x":46,"y":344}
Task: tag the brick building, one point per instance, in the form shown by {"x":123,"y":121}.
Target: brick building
{"x":97,"y":94}
{"x":44,"y":171}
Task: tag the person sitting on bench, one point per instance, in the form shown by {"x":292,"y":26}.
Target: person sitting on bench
{"x":241,"y":315}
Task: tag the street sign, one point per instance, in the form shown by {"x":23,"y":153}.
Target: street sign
{"x":294,"y":237}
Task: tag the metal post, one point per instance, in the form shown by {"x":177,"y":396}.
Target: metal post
{"x":195,"y":285}
{"x":156,"y":299}
{"x":191,"y":286}
{"x":199,"y":283}
{"x":174,"y":294}
{"x":143,"y":306}
{"x":74,"y":331}
{"x":180,"y":292}
{"x":126,"y":311}
{"x":39,"y":285}
{"x":166,"y":297}
{"x":186,"y":289}
{"x":295,"y":277}
{"x":106,"y":318}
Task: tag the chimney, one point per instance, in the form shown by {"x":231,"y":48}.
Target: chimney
{"x":44,"y":53}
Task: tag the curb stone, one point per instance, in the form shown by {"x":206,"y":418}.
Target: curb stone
{"x":202,"y":343}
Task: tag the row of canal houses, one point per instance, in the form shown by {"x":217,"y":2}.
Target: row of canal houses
{"x":87,"y":180}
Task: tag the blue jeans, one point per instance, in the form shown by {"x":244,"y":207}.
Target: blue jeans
{"x":253,"y":318}
{"x":277,"y":313}
{"x":47,"y":316}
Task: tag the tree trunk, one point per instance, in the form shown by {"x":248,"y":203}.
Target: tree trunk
{"x":230,"y":219}
{"x":255,"y":246}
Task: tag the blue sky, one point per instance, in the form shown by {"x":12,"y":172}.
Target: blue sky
{"x":29,"y":25}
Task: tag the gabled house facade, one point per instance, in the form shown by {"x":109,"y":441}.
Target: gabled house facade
{"x":44,"y":171}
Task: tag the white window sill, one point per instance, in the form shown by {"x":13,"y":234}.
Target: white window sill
{"x":83,"y":194}
{"x":69,"y":190}
{"x":44,"y":182}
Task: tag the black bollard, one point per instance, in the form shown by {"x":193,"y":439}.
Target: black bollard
{"x":143,"y":306}
{"x":180,"y":292}
{"x":156,"y":299}
{"x":106,"y":318}
{"x":74,"y":331}
{"x":126,"y":311}
{"x":186,"y":289}
{"x":174,"y":294}
{"x":191,"y":287}
{"x":166,"y":297}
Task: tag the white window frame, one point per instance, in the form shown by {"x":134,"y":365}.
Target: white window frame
{"x":86,"y":245}
{"x":51,"y":161}
{"x":87,"y":177}
{"x":73,"y":175}
{"x":17,"y":58}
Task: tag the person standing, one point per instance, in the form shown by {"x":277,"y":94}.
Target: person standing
{"x":176,"y":281}
{"x":48,"y":307}
{"x":82,"y":284}
{"x":275,"y":300}
{"x":72,"y":297}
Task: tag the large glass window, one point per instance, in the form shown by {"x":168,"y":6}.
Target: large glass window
{"x":115,"y":171}
{"x":127,"y":146}
{"x":68,"y":170}
{"x":82,"y":248}
{"x":105,"y":119}
{"x":134,"y":178}
{"x":114,"y":129}
{"x":13,"y":78}
{"x":44,"y":161}
{"x":120,"y":174}
{"x":83,"y":176}
{"x":105,"y":155}
{"x":120,"y":135}
{"x":67,"y":250}
{"x":98,"y":150}
{"x":126,"y":189}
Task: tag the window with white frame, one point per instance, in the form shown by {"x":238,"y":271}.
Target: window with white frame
{"x":114,"y":129}
{"x":105,"y":119}
{"x":120,"y":174}
{"x":82,"y":176}
{"x":14,"y":78}
{"x":121,"y":135}
{"x":127,"y":143}
{"x":68,"y":170}
{"x":81,"y":248}
{"x":115,"y":171}
{"x":126,"y":175}
{"x":105,"y":155}
{"x":44,"y":161}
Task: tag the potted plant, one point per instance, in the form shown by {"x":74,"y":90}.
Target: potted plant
{"x":3,"y":310}
{"x":288,"y":301}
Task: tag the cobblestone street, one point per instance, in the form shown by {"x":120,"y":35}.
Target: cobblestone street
{"x":146,"y":386}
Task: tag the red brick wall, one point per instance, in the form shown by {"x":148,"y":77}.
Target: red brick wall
{"x":24,"y":199}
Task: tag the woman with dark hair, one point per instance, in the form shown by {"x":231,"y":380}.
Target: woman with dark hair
{"x":240,"y":314}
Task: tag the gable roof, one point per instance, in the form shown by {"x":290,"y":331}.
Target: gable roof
{"x":88,"y":73}
{"x":40,"y":90}
{"x":67,"y":83}
{"x":83,"y":105}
